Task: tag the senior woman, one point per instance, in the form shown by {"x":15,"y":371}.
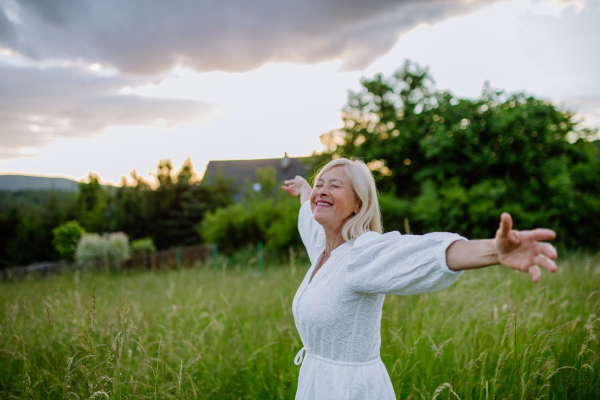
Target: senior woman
{"x":338,"y":306}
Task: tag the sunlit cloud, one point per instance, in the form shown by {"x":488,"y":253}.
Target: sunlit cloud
{"x":39,"y":106}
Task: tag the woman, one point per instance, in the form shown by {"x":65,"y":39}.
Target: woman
{"x":338,"y":306}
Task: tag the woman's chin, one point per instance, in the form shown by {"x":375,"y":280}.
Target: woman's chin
{"x":319,"y":217}
{"x":323,"y":217}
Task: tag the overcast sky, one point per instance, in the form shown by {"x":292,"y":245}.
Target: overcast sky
{"x":109,"y":86}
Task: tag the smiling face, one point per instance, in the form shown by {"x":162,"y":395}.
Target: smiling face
{"x":333,"y":199}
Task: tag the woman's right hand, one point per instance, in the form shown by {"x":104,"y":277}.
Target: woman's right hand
{"x":298,"y":187}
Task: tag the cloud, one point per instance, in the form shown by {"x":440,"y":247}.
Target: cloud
{"x":39,"y":106}
{"x":150,"y":36}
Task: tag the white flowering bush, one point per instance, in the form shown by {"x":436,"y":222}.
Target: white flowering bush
{"x":90,"y":248}
{"x":107,"y":250}
{"x":118,"y":247}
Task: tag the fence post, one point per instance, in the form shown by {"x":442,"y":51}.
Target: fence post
{"x":148,"y":261}
{"x":261,"y":261}
{"x":215,"y":256}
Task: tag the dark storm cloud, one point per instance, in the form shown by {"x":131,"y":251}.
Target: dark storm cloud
{"x":147,"y":36}
{"x":38,"y":106}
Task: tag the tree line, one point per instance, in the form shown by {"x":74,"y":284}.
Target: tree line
{"x":167,"y":214}
{"x":442,"y":163}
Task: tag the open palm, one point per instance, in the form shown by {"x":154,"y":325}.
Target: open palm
{"x":297,"y":186}
{"x":523,"y":250}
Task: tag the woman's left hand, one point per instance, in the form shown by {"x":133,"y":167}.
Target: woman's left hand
{"x":522,"y":250}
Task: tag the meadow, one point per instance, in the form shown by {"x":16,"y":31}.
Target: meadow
{"x":229,"y":333}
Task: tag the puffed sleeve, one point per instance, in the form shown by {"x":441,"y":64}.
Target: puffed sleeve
{"x":400,"y":264}
{"x":311,"y":232}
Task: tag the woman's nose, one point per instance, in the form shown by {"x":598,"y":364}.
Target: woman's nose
{"x":322,"y":192}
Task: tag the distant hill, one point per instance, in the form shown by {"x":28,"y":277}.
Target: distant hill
{"x":15,"y":183}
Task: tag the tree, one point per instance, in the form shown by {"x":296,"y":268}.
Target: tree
{"x":269,"y":216}
{"x":187,"y":208}
{"x":27,"y":218}
{"x":455,"y":164}
{"x":66,"y":237}
{"x":169,"y":214}
{"x":93,"y":205}
{"x":133,"y":207}
{"x":10,"y":231}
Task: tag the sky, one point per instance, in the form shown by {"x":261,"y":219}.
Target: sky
{"x":111,"y":86}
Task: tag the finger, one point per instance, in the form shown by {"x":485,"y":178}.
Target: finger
{"x":545,"y":262}
{"x":289,"y":181}
{"x":535,"y":273}
{"x":546,"y":249}
{"x":542,"y":234}
{"x":506,"y":225}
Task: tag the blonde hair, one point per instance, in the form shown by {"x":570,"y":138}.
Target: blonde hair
{"x":368,"y":217}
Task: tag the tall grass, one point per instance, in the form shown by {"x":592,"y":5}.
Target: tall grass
{"x":229,"y":334}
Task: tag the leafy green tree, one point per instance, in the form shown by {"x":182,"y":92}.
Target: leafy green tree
{"x":455,"y":164}
{"x":218,"y":193}
{"x":267,"y":216}
{"x":93,"y":205}
{"x":26,"y":221}
{"x":163,"y":201}
{"x":187,"y":208}
{"x":133,"y":207}
{"x":66,"y":237}
{"x":11,"y":229}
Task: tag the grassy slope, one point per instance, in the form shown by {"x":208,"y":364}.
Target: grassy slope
{"x":201,"y":334}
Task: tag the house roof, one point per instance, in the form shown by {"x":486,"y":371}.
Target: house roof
{"x":285,"y":168}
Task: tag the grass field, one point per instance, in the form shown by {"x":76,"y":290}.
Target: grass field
{"x":229,"y":334}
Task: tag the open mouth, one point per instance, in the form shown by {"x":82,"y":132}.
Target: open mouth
{"x":323,"y":203}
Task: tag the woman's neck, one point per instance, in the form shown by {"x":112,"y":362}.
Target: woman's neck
{"x":333,"y":239}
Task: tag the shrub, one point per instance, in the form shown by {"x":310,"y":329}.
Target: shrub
{"x":270,"y":216}
{"x":118,"y":247}
{"x":142,"y":246}
{"x":107,"y":250}
{"x":66,"y":237}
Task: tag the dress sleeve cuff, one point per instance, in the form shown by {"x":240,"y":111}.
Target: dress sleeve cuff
{"x":445,"y":241}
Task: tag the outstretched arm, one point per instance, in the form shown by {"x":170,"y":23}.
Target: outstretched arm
{"x":298,"y":187}
{"x":519,"y":250}
{"x":312,"y":234}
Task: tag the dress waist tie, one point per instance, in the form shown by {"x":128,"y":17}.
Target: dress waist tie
{"x":300,"y":356}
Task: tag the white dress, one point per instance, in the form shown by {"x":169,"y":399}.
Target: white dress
{"x":338,"y":314}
